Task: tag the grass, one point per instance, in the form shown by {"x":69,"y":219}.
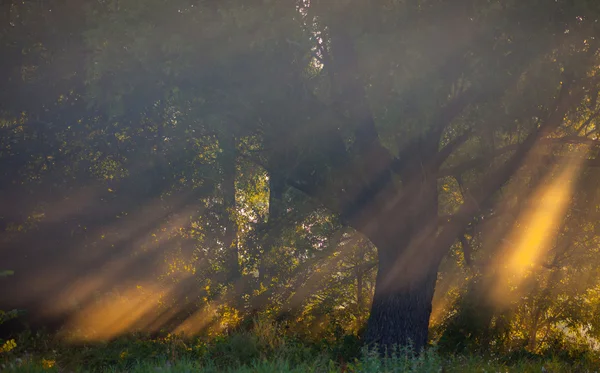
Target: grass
{"x":428,"y":363}
{"x":264,"y":349}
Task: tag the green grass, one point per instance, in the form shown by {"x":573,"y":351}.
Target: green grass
{"x":265,"y":349}
{"x":368,"y":364}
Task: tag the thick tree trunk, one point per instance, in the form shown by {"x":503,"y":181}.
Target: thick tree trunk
{"x":401,"y":305}
{"x":407,"y":270}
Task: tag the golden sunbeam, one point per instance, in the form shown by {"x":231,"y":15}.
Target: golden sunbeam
{"x":445,"y":295}
{"x":197,"y":322}
{"x":112,"y":315}
{"x":74,"y":290}
{"x":532,"y":237}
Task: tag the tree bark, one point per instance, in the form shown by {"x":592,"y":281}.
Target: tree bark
{"x":400,"y":314}
{"x":230,"y":241}
{"x":407,"y":271}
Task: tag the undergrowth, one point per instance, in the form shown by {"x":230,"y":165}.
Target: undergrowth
{"x":265,"y":348}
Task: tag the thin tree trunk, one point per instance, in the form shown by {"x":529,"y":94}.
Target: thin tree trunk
{"x":273,"y":226}
{"x":359,"y":293}
{"x":532,"y":342}
{"x":230,"y":241}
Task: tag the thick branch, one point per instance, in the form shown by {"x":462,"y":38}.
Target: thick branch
{"x":350,"y":90}
{"x":467,"y":250}
{"x":429,"y":143}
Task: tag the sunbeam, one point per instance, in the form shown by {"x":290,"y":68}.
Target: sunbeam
{"x":526,"y":245}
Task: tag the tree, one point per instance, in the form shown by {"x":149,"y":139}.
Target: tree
{"x":402,"y":221}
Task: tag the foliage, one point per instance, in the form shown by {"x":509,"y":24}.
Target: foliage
{"x":6,"y":346}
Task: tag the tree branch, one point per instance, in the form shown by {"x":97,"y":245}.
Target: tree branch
{"x":350,"y":89}
{"x":447,"y":150}
{"x":566,"y":99}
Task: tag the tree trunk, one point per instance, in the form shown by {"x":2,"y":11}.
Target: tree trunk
{"x":230,"y":242}
{"x":400,"y":311}
{"x":407,"y":271}
{"x":274,"y":225}
{"x":532,"y":341}
{"x":359,"y":294}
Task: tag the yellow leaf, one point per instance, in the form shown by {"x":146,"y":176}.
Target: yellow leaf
{"x":48,"y":364}
{"x":8,"y":346}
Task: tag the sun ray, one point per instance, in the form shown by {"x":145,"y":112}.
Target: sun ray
{"x":531,"y":237}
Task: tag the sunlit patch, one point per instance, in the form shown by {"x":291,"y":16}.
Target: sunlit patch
{"x":532,"y":236}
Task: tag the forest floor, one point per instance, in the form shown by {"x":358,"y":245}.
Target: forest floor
{"x":261,"y":352}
